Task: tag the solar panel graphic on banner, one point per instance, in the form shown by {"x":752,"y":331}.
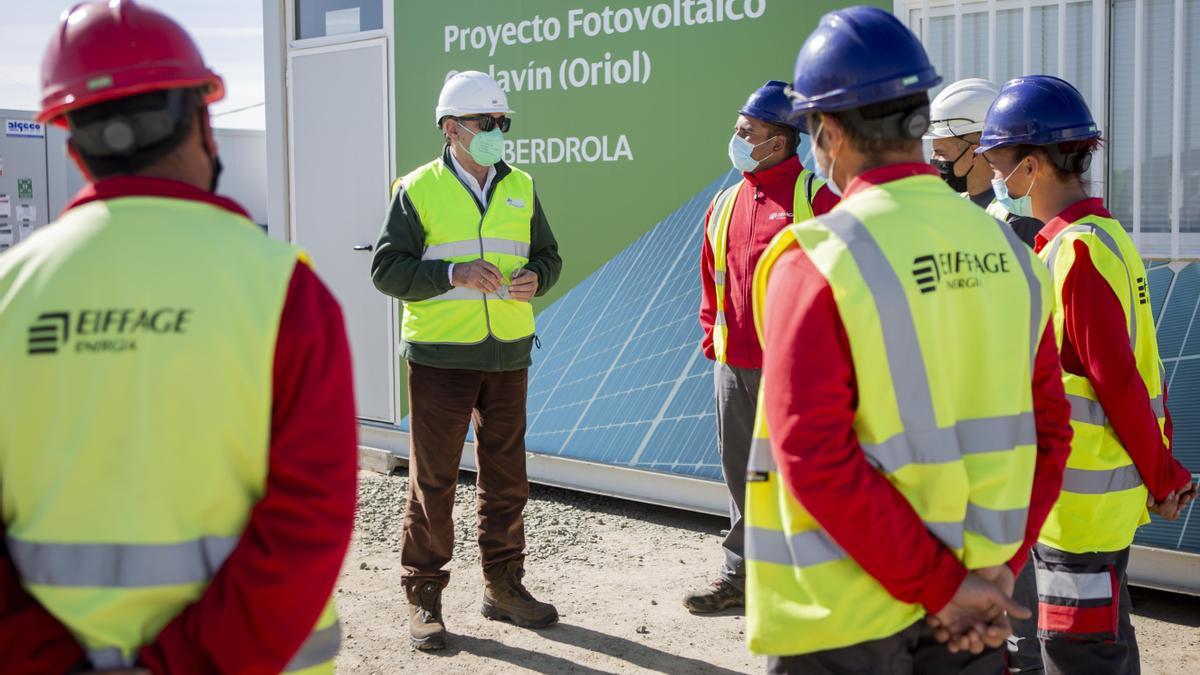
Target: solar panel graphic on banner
{"x":1174,"y":295}
{"x":620,"y":378}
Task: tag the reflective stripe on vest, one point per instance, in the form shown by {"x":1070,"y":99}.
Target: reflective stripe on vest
{"x":1101,"y":481}
{"x":144,"y":566}
{"x":806,"y":186}
{"x":119,"y":565}
{"x":456,"y":231}
{"x":472,"y":247}
{"x":117,"y":521}
{"x":1103,"y":499}
{"x":967,"y":477}
{"x":802,"y":549}
{"x":320,"y":648}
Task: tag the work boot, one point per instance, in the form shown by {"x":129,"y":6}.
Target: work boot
{"x":425,"y":626}
{"x":718,"y":596}
{"x":505,"y":599}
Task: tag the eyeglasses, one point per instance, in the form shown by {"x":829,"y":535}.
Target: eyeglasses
{"x":487,"y":122}
{"x":950,"y":124}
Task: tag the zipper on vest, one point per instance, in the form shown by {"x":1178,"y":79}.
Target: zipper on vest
{"x":483,"y":211}
{"x":479,"y":231}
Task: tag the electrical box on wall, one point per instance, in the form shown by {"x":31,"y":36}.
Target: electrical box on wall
{"x":24,"y":194}
{"x":38,"y":178}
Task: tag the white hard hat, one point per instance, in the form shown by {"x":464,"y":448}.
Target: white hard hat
{"x":960,"y":108}
{"x":470,"y":93}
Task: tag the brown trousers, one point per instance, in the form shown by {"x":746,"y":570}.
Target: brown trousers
{"x":441,"y":404}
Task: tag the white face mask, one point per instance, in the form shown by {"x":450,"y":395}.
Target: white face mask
{"x":741,"y":154}
{"x":1019,"y":206}
{"x":825,"y":174}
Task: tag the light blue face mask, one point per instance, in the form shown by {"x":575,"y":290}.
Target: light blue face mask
{"x":824,"y":175}
{"x":741,"y":154}
{"x":487,"y":147}
{"x":1021,"y":206}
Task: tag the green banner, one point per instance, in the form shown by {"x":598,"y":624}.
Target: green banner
{"x":623,"y":109}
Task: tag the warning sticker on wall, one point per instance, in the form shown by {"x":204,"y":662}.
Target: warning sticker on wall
{"x":26,"y":213}
{"x":5,"y":206}
{"x":24,"y":188}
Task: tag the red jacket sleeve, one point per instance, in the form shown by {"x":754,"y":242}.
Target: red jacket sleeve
{"x":1052,"y":417}
{"x":265,"y":600}
{"x":31,"y":639}
{"x":824,"y":201}
{"x":1096,"y":329}
{"x":810,"y":400}
{"x":708,"y":293}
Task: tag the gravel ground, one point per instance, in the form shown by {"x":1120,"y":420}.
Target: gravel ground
{"x":616,"y":570}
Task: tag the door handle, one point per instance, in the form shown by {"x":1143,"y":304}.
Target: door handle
{"x":365,"y":247}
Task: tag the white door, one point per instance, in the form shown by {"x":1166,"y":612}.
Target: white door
{"x":340,"y":163}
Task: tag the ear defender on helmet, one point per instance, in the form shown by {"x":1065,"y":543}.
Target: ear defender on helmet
{"x":123,"y":127}
{"x":909,"y":123}
{"x":1075,"y":160}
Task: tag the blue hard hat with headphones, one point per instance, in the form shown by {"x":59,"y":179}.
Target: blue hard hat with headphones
{"x":858,"y":56}
{"x":770,"y":103}
{"x":1037,"y":110}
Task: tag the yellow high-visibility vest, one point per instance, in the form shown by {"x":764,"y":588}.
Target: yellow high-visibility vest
{"x":1103,"y":499}
{"x":455,"y":231}
{"x":806,"y":188}
{"x":944,"y":312}
{"x":138,"y":341}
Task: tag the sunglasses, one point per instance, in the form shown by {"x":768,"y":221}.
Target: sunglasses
{"x":487,"y":122}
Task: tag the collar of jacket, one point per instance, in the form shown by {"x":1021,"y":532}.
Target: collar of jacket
{"x":886,"y":174}
{"x":145,"y":186}
{"x":502,"y":169}
{"x":984,"y":199}
{"x":782,"y":173}
{"x":1092,"y":206}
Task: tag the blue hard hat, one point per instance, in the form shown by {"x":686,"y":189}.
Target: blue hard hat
{"x":770,"y":103}
{"x":858,"y":56}
{"x":1037,"y":110}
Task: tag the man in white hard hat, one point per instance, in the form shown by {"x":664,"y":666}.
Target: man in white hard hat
{"x":466,"y":247}
{"x":956,"y":120}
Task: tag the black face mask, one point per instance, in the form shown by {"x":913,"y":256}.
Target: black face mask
{"x":945,"y":168}
{"x":216,"y":173}
{"x":212,"y":153}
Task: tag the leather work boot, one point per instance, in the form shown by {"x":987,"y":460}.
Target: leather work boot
{"x":505,"y":599}
{"x":425,"y":626}
{"x":720,"y":595}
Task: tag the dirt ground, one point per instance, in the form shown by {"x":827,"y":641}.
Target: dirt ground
{"x":616,"y":571}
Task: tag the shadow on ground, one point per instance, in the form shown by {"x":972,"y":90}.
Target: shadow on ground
{"x":633,"y":653}
{"x":1182,"y":610}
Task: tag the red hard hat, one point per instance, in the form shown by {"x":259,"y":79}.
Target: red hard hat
{"x":110,"y":50}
